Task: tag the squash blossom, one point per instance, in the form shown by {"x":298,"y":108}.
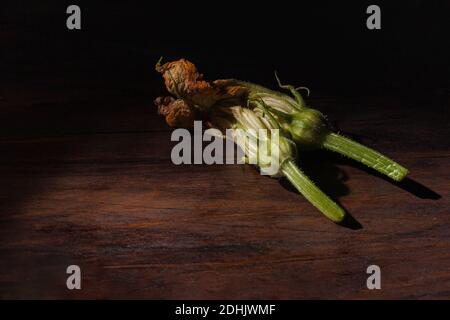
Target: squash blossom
{"x":249,"y":108}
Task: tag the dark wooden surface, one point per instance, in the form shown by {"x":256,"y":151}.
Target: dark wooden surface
{"x":86,"y":179}
{"x":86,"y":176}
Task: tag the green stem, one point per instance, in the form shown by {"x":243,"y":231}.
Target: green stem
{"x":313,"y":194}
{"x":365,"y":155}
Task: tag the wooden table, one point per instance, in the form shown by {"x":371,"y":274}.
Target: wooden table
{"x":86,"y":179}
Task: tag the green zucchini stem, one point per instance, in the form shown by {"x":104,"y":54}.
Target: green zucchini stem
{"x":312,"y":193}
{"x":365,"y":155}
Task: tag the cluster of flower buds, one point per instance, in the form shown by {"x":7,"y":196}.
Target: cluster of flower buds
{"x":269,"y":126}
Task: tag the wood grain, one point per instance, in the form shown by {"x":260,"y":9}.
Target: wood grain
{"x":87,"y":180}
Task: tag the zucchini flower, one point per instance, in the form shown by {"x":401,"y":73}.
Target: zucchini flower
{"x":269,"y":126}
{"x":177,"y":112}
{"x":309,"y":130}
{"x":184,"y":81}
{"x":265,"y":146}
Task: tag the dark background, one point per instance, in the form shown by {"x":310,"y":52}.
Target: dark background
{"x":324,"y":45}
{"x":85,"y":161}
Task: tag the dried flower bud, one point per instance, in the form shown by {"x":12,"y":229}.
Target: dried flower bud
{"x":230,"y":89}
{"x":178,"y":113}
{"x":184,"y":81}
